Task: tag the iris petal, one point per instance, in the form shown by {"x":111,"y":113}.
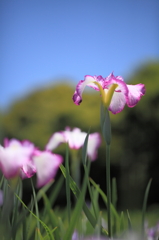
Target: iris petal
{"x":47,"y":165}
{"x":135,"y":94}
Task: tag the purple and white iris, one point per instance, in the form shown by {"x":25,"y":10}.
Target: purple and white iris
{"x":75,"y":140}
{"x":122,"y":93}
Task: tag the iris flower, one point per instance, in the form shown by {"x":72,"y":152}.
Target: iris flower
{"x":75,"y":140}
{"x":114,"y":91}
{"x":47,"y":165}
{"x":24,"y":159}
{"x":14,"y":155}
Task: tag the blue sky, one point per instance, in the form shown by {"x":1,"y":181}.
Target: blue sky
{"x":42,"y":41}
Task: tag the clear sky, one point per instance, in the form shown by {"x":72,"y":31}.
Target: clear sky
{"x":43,"y":40}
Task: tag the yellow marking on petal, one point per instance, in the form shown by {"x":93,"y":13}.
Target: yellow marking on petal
{"x":101,"y":91}
{"x":109,"y":94}
{"x":107,"y":97}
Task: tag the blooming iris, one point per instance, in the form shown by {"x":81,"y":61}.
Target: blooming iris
{"x":47,"y":165}
{"x":75,"y":140}
{"x":114,"y":91}
{"x":14,"y":155}
{"x":24,"y":159}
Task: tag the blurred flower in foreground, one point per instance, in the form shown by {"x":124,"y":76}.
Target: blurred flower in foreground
{"x":14,"y":155}
{"x":75,"y":140}
{"x":114,"y":91}
{"x":24,"y":159}
{"x":47,"y":165}
{"x":153,"y":233}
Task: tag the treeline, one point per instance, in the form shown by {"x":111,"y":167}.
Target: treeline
{"x":135,"y":132}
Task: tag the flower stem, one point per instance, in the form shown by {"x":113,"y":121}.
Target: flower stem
{"x":108,"y":189}
{"x":75,"y":167}
{"x":106,"y":131}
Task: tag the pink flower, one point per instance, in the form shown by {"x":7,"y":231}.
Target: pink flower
{"x":75,"y":140}
{"x":14,"y":155}
{"x":23,"y":159}
{"x":114,"y":91}
{"x":47,"y":165}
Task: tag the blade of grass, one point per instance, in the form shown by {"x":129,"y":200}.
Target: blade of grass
{"x":43,"y":190}
{"x":144,"y":206}
{"x":48,"y":231}
{"x":84,"y":149}
{"x":87,"y":170}
{"x":38,"y":235}
{"x":18,"y":191}
{"x":114,"y":202}
{"x":122,"y":223}
{"x":56,"y":190}
{"x":52,"y":216}
{"x":36,"y":205}
{"x":129,"y":222}
{"x":76,"y":212}
{"x":90,"y":190}
{"x":104,"y":197}
{"x":76,"y":192}
{"x":68,"y":197}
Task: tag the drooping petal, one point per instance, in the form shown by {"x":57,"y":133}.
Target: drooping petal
{"x":88,"y":81}
{"x":94,"y":142}
{"x":55,"y":140}
{"x":135,"y":93}
{"x":47,"y":165}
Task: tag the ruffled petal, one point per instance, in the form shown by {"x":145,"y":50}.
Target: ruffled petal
{"x":47,"y":165}
{"x":55,"y":140}
{"x":94,"y":142}
{"x":135,"y":93}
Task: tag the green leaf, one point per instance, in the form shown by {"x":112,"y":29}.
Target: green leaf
{"x":52,"y":217}
{"x":84,"y":149}
{"x":145,"y":205}
{"x":104,"y":197}
{"x":36,"y":205}
{"x":129,"y":221}
{"x":68,"y":197}
{"x":122,"y":223}
{"x":76,"y":212}
{"x":43,"y":190}
{"x":77,"y":192}
{"x":56,"y":190}
{"x":49,"y":233}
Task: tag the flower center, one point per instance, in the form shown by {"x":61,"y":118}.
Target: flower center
{"x":107,"y":97}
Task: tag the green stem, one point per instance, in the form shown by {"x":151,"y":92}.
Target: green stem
{"x":108,"y":189}
{"x":75,"y":167}
{"x":106,"y":131}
